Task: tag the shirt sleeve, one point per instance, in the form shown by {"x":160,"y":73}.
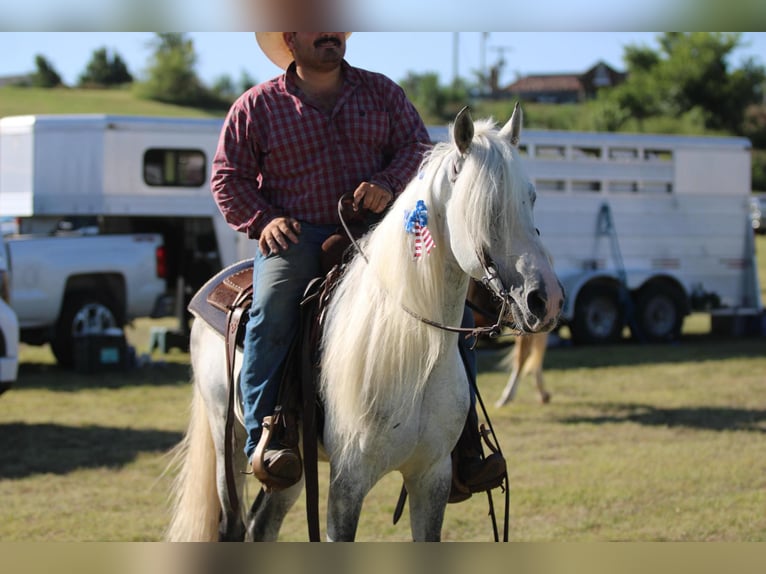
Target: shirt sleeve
{"x":236,"y":181}
{"x":408,"y":142}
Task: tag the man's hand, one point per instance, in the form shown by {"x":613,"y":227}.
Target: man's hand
{"x":372,"y":197}
{"x":275,"y":236}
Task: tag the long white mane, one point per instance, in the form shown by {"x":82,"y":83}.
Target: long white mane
{"x":376,"y":357}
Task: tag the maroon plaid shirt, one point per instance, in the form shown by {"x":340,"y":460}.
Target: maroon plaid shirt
{"x":279,"y":155}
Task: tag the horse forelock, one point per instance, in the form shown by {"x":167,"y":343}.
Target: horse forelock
{"x":490,"y":188}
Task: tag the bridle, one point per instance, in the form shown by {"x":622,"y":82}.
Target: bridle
{"x":490,"y":279}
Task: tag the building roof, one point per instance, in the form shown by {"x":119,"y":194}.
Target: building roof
{"x":547,"y":83}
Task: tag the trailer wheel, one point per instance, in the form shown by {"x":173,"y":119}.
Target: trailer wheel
{"x":82,"y":313}
{"x":599,"y":317}
{"x":659,"y":313}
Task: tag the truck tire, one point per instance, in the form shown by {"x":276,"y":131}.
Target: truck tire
{"x":81,"y":314}
{"x":659,"y":313}
{"x":599,"y":317}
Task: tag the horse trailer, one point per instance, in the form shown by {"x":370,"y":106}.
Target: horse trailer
{"x":643,"y":229}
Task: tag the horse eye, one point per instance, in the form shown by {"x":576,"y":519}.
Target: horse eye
{"x":538,"y":231}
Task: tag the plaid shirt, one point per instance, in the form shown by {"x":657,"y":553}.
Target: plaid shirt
{"x":279,"y":155}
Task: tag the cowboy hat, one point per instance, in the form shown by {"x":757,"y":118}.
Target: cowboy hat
{"x":273,"y":45}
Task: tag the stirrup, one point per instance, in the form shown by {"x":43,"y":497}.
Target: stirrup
{"x":261,"y":467}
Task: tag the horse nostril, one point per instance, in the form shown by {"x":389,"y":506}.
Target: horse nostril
{"x":536,"y":302}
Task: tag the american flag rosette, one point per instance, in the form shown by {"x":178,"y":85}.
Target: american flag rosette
{"x":416,"y":223}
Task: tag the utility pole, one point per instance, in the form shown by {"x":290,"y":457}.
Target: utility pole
{"x":455,"y":55}
{"x":483,"y":55}
{"x":497,"y":69}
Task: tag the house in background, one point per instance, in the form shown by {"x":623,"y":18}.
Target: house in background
{"x":565,"y":88}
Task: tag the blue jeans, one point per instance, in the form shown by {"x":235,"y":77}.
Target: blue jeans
{"x":279,"y":281}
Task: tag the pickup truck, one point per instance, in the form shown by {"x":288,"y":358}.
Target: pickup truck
{"x":69,"y":284}
{"x":9,"y":328}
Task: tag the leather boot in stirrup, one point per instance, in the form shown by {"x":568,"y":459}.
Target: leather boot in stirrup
{"x":277,"y":464}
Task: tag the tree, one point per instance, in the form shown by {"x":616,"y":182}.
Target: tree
{"x":690,"y":71}
{"x":45,"y":76}
{"x":105,"y":71}
{"x":224,"y":87}
{"x":171,"y":76}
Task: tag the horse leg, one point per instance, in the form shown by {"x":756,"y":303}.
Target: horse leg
{"x":231,"y":527}
{"x":344,"y":505}
{"x":545,"y":396}
{"x":538,"y":355}
{"x":517,"y":359}
{"x":268,"y":512}
{"x":428,"y":500}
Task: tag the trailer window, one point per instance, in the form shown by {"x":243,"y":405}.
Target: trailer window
{"x":623,"y":186}
{"x":174,"y":167}
{"x":658,"y":155}
{"x":550,"y":151}
{"x":623,"y":153}
{"x":586,"y":152}
{"x":579,"y":186}
{"x":550,"y":185}
{"x":657,"y":187}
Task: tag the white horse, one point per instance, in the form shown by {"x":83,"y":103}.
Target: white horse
{"x":393,"y":385}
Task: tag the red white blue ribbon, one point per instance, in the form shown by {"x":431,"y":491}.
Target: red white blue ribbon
{"x":416,"y":223}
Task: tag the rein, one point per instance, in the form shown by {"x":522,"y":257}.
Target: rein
{"x":490,"y":279}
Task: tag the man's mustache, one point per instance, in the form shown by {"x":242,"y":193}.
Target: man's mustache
{"x":324,"y":40}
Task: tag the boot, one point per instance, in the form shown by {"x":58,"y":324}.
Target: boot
{"x":471,"y":470}
{"x":276,"y":460}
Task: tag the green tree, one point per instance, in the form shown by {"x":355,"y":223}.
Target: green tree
{"x":224,"y":87}
{"x":171,"y":77}
{"x":105,"y":71}
{"x":45,"y":75}
{"x":690,"y":71}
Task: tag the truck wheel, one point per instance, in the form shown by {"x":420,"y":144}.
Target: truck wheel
{"x":659,"y":313}
{"x":598,"y":317}
{"x":82,"y":314}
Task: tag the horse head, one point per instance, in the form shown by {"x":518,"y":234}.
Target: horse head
{"x":490,"y":223}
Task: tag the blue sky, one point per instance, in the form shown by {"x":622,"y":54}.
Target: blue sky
{"x":392,"y":53}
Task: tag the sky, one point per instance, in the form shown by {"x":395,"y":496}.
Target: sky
{"x":392,"y":53}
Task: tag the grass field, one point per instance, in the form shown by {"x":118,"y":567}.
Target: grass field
{"x":640,"y":443}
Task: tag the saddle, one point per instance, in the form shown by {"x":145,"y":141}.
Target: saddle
{"x":223,"y":303}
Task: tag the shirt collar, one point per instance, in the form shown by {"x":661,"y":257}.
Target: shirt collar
{"x":351,"y":78}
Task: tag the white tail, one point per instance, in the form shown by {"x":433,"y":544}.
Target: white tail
{"x":196,"y":507}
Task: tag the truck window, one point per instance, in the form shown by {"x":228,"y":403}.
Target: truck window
{"x":174,"y":167}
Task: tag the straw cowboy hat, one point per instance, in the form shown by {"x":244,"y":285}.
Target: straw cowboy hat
{"x":273,"y":45}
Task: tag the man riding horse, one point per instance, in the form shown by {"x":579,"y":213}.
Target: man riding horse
{"x":289,"y":149}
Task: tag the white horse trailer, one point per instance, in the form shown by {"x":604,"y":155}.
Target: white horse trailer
{"x":643,"y":229}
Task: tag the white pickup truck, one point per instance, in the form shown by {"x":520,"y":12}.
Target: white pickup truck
{"x":70,"y":284}
{"x":9,"y":328}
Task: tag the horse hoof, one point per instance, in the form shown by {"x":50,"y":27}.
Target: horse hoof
{"x":545,"y":398}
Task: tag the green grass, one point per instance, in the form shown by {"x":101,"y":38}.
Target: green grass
{"x":640,"y":442}
{"x":22,"y":101}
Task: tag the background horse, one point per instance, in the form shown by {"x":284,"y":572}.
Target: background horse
{"x":394,"y":389}
{"x":526,"y":358}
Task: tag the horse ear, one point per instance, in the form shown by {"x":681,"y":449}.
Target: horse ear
{"x":512,"y":130}
{"x":462,"y":131}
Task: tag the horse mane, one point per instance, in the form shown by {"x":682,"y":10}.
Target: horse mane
{"x":376,"y":357}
